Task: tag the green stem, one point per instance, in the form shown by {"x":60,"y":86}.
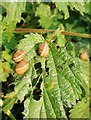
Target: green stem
{"x":10,"y":115}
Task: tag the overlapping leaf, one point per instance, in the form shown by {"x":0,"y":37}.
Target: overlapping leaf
{"x":62,"y":82}
{"x":12,"y":18}
{"x":63,"y":6}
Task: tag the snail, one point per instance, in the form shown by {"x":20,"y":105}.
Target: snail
{"x":43,"y":49}
{"x":21,"y":67}
{"x":84,"y":56}
{"x":19,"y":55}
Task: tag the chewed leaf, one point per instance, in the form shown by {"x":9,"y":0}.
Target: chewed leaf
{"x":64,"y":71}
{"x":33,"y":108}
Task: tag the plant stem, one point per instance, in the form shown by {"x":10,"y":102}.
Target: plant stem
{"x":28,"y":30}
{"x":76,"y":34}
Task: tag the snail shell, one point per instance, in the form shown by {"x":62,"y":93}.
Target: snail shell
{"x":84,"y":56}
{"x":43,"y":49}
{"x":21,"y":67}
{"x":19,"y":55}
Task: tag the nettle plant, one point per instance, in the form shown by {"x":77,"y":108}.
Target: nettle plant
{"x":50,"y":75}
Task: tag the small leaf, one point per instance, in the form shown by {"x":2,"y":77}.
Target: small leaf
{"x":6,"y":55}
{"x":8,"y":103}
{"x":10,"y":95}
{"x":62,"y":6}
{"x":43,"y":10}
{"x":80,"y":110}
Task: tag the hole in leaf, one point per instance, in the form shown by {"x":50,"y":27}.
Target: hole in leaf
{"x":39,"y":70}
{"x":60,"y":68}
{"x":54,"y":41}
{"x":74,"y":40}
{"x":71,"y":65}
{"x":34,"y":81}
{"x":39,"y":83}
{"x":36,"y":48}
{"x":37,"y":93}
{"x":47,"y":70}
{"x":37,"y":65}
{"x":58,"y":47}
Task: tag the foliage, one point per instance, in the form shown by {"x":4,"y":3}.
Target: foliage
{"x":80,"y":110}
{"x":52,"y":87}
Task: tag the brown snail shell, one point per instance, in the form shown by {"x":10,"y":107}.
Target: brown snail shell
{"x":43,"y":49}
{"x":21,"y":67}
{"x":84,"y":56}
{"x":19,"y":55}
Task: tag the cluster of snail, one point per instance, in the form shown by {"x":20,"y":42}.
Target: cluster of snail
{"x":43,"y":50}
{"x":22,"y":66}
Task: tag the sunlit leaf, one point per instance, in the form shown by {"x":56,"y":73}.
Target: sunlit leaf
{"x":80,"y":110}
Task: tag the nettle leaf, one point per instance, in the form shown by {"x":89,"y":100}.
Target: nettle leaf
{"x":33,"y":108}
{"x":28,"y":43}
{"x":63,"y":6}
{"x":87,"y":5}
{"x":44,"y":12}
{"x":61,"y":79}
{"x":8,"y":103}
{"x":12,"y":18}
{"x":66,"y":72}
{"x":5,"y":71}
{"x":24,"y":83}
{"x":86,"y":65}
{"x":51,"y":92}
{"x":80,"y":110}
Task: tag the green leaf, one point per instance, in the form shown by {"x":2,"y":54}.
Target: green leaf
{"x":64,"y":68}
{"x":86,"y":65}
{"x":87,"y":5}
{"x":12,"y":18}
{"x":43,"y":10}
{"x":10,"y":95}
{"x":33,"y":108}
{"x":29,"y":45}
{"x":22,"y":85}
{"x":61,"y":40}
{"x":5,"y":71}
{"x":0,"y":17}
{"x":52,"y":88}
{"x":61,"y":76}
{"x":6,"y":56}
{"x":8,"y":103}
{"x":80,"y":110}
{"x":45,"y":14}
{"x":63,"y":6}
